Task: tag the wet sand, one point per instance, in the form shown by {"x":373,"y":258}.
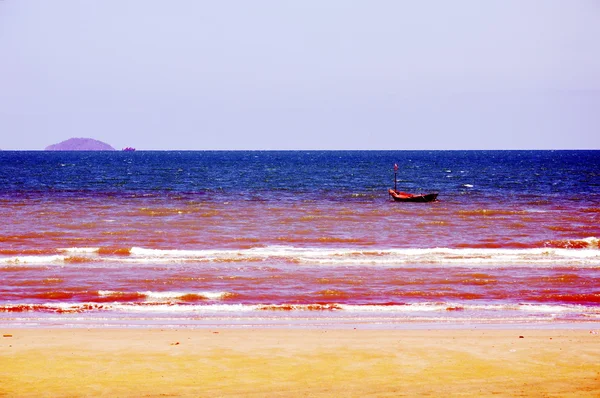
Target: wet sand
{"x":298,"y":363}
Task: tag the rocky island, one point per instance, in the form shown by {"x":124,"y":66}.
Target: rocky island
{"x":80,"y":144}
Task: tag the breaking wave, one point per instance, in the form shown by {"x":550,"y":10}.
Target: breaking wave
{"x":581,"y":252}
{"x":425,"y":307}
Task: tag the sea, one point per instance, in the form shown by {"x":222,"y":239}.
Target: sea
{"x":299,"y":239}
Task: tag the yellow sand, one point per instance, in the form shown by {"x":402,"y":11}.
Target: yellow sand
{"x":298,"y":363}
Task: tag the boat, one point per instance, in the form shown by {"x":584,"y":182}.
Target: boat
{"x":129,"y":149}
{"x":410,"y":197}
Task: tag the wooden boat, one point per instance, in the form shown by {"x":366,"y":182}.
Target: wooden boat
{"x":409,"y":197}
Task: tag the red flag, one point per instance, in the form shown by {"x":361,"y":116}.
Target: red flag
{"x":395,"y":167}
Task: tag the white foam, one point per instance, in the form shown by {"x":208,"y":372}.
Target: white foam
{"x":592,"y":242}
{"x":32,"y":260}
{"x":214,"y":308}
{"x":78,"y":250}
{"x":435,"y":307}
{"x":421,"y":307}
{"x":178,"y":295}
{"x":429,"y":307}
{"x":589,"y":256}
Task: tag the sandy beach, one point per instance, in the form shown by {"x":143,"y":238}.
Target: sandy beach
{"x":292,"y":363}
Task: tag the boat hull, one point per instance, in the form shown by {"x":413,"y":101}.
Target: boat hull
{"x":409,"y":197}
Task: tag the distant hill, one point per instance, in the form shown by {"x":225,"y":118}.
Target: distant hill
{"x":80,"y":144}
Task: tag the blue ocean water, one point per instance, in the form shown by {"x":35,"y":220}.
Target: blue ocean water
{"x":292,"y":175}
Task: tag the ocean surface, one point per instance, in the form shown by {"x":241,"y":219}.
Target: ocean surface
{"x":298,"y":239}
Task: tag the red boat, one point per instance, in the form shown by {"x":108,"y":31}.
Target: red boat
{"x":409,"y":197}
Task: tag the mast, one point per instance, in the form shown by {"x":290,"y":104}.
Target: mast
{"x":395,"y":177}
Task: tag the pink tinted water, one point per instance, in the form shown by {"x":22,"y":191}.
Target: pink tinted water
{"x":99,"y":255}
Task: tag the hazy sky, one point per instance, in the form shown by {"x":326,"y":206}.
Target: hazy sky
{"x":310,"y":74}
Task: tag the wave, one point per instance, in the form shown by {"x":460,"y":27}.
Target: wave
{"x":582,"y":252}
{"x":157,"y":297}
{"x":220,"y":308}
{"x":587,"y":243}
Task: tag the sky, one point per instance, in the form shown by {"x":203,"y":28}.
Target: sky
{"x":309,"y":74}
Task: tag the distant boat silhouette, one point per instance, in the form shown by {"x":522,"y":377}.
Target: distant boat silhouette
{"x":128,"y":149}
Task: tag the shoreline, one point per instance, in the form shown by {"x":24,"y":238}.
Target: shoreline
{"x":591,"y":326}
{"x":284,"y":362}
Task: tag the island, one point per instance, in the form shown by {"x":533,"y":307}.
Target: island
{"x":80,"y":144}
